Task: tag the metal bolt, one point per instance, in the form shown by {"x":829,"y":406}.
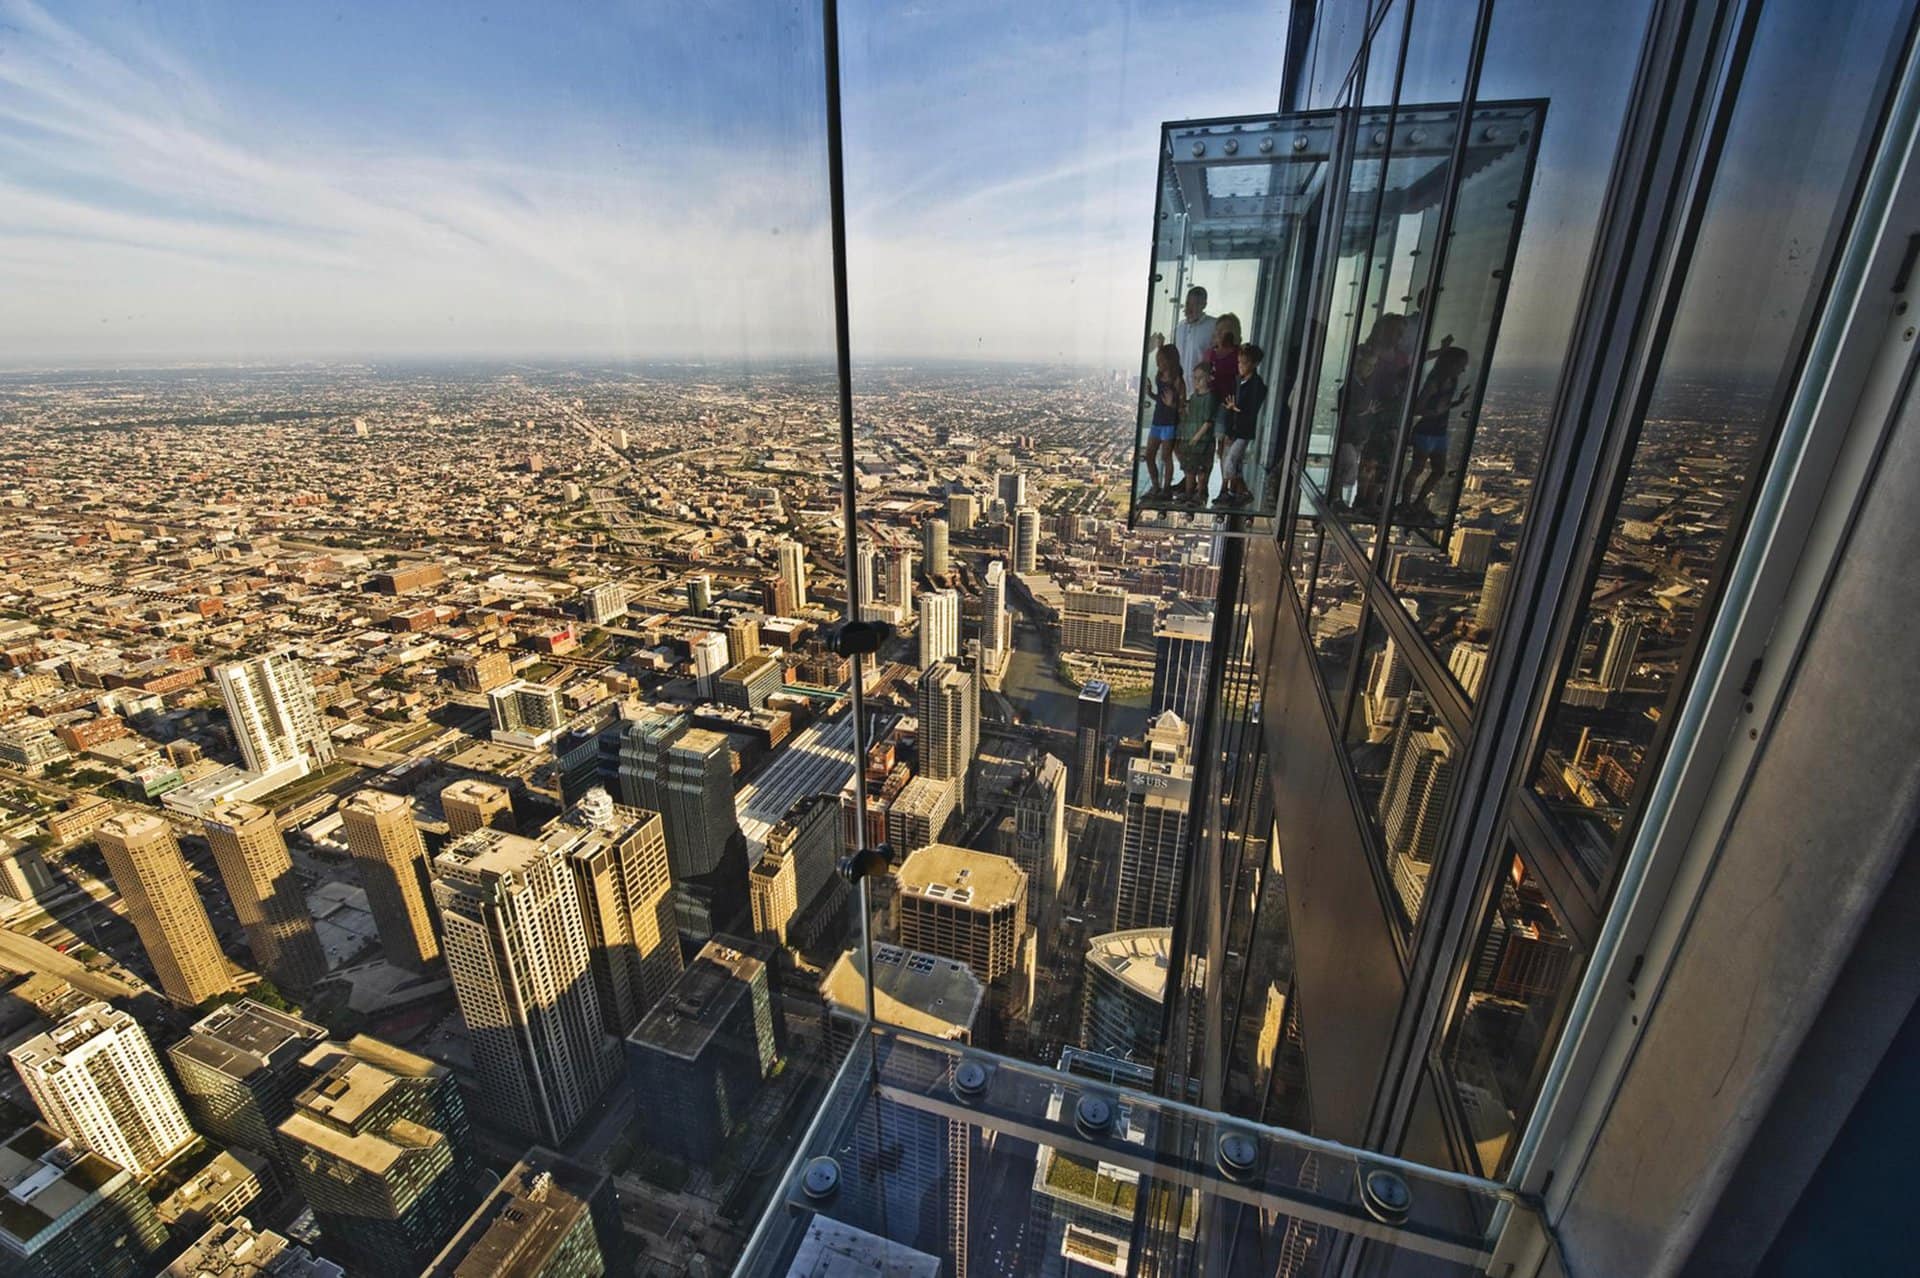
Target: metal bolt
{"x":820,"y":1178}
{"x":1385,"y":1196}
{"x":1199,"y":148}
{"x":1418,"y":135}
{"x":970,"y":1080}
{"x":1093,"y":1115}
{"x":1379,"y":137}
{"x":1907,"y":336}
{"x":1237,"y":1155}
{"x":1300,"y":142}
{"x":1232,"y":146}
{"x":1266,"y":146}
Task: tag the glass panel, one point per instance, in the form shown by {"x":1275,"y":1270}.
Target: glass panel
{"x":932,"y":1155}
{"x":1758,"y":267}
{"x":1523,"y":969}
{"x":1241,"y":203}
{"x":1305,"y":557}
{"x":1573,"y":65}
{"x":1333,"y":621}
{"x":1404,"y":760}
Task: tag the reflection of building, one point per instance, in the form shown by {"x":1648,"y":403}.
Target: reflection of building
{"x":95,"y":1078}
{"x":472,"y":804}
{"x":1158,"y":796}
{"x":1090,"y":745}
{"x":71,"y":1212}
{"x":834,"y":1247}
{"x":1126,"y":986}
{"x":618,"y":858}
{"x":1180,"y":647}
{"x":1493,"y":594}
{"x":145,"y":862}
{"x":268,"y":899}
{"x":392,"y":860}
{"x":547,"y":1218}
{"x":525,"y":714}
{"x":702,"y":1054}
{"x":522,"y":967}
{"x":380,"y":1148}
{"x":1413,"y":800}
{"x":1093,"y":619}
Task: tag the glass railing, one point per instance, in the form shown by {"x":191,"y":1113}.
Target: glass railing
{"x":930,"y":1157}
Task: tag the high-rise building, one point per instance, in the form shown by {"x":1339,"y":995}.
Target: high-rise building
{"x":144,"y":860}
{"x":964,"y":905}
{"x":1090,"y":744}
{"x":963,"y":510}
{"x":1011,"y":486}
{"x":701,"y":1055}
{"x":1470,"y":548}
{"x":747,"y":686}
{"x":900,"y":579}
{"x":1493,"y":594}
{"x":872,"y":568}
{"x":1468,"y":665}
{"x":793,"y":571}
{"x":481,"y":671}
{"x":275,"y":722}
{"x":237,"y":1249}
{"x":796,"y":870}
{"x":700,"y":592}
{"x":933,"y":546}
{"x":1180,"y":647}
{"x":1093,"y":619}
{"x":96,"y":1079}
{"x":996,"y":636}
{"x":686,"y":775}
{"x":386,"y":847}
{"x":549,"y":1217}
{"x":1026,"y":541}
{"x":1623,"y":648}
{"x":949,"y":726}
{"x":918,"y":815}
{"x":239,"y":1068}
{"x":618,"y":857}
{"x":71,"y":1213}
{"x":710,"y":655}
{"x":1125,"y":986}
{"x":743,"y":639}
{"x":525,"y":714}
{"x":472,"y":804}
{"x":606,"y":602}
{"x":1159,"y":790}
{"x":268,"y":898}
{"x":522,"y":967}
{"x":1039,"y":844}
{"x":939,"y":626}
{"x":381,"y":1151}
{"x":1413,"y":800}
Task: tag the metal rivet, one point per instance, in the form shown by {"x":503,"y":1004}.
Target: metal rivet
{"x":1490,"y":135}
{"x":970,"y":1079}
{"x":820,"y":1178}
{"x":1233,"y":146}
{"x":1093,"y":1115}
{"x":1418,"y":135}
{"x":1266,"y":146}
{"x":1385,"y":1196}
{"x":1199,"y":148}
{"x":1237,"y":1155}
{"x":1379,"y":137}
{"x":1300,"y":143}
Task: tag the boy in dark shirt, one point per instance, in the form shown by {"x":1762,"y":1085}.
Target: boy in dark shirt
{"x":1243,"y":412}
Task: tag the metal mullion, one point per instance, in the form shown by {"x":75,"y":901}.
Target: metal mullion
{"x":1536,"y":836}
{"x":1348,"y":548}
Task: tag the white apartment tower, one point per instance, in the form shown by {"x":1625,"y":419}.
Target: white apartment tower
{"x":97,"y":1080}
{"x":1159,"y":793}
{"x":793,"y":571}
{"x":995,"y":632}
{"x":939,"y":626}
{"x":271,"y":707}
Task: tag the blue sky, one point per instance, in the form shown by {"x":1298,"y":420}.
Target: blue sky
{"x":202,"y":180}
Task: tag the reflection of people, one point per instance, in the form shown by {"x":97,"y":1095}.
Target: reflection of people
{"x":1243,"y":411}
{"x":1169,"y":401}
{"x":1195,"y":442}
{"x":1439,"y":396}
{"x":1381,"y":369}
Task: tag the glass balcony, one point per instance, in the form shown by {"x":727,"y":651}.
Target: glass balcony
{"x":929,"y":1157}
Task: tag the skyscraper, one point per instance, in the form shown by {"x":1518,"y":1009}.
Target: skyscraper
{"x":872,"y":568}
{"x":1623,"y":648}
{"x":701,"y":1055}
{"x":147,"y":868}
{"x":700,"y":592}
{"x":1093,"y":619}
{"x":1158,"y":796}
{"x":686,"y":775}
{"x":240,"y":1067}
{"x":939,"y":626}
{"x":271,"y":709}
{"x":949,"y":726}
{"x":618,"y":857}
{"x":95,"y":1078}
{"x":1493,"y":593}
{"x":237,"y":1249}
{"x":522,"y":967}
{"x":743,"y":639}
{"x":380,"y":1149}
{"x":1180,"y":647}
{"x":1413,"y":800}
{"x":995,"y":626}
{"x":1026,"y":541}
{"x":71,"y":1213}
{"x":794,"y":874}
{"x":1090,"y":744}
{"x":962,"y":510}
{"x":900,"y":579}
{"x":543,"y":1220}
{"x":1126,"y":984}
{"x":472,"y":804}
{"x":393,"y":869}
{"x":919,"y":814}
{"x":1040,"y":835}
{"x":268,"y":899}
{"x":793,"y":571}
{"x":933,"y":546}
{"x":964,"y":905}
{"x":709,"y":660}
{"x":606,"y":602}
{"x":1012,"y":489}
{"x":525,"y":714}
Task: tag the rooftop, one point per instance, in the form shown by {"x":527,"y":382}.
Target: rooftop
{"x":941,"y":871}
{"x":833,"y":1249}
{"x":687,"y":1019}
{"x":243,"y":1037}
{"x":915,"y":991}
{"x":45,"y":1178}
{"x":238,"y":1250}
{"x":514,"y":1231}
{"x":1138,"y":957}
{"x":49,"y":1050}
{"x":489,"y":852}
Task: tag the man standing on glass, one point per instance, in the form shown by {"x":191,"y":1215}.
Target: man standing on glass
{"x":1193,"y":333}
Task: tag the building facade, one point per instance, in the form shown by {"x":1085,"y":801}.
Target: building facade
{"x":269,"y":899}
{"x":144,"y":859}
{"x":96,"y":1079}
{"x":392,"y":861}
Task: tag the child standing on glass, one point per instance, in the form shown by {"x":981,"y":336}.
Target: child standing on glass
{"x":1169,"y":402}
{"x":1243,"y":414}
{"x":1195,"y":442}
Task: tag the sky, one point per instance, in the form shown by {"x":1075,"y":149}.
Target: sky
{"x":224,"y":181}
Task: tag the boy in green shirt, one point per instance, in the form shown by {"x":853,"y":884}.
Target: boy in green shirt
{"x":1194,"y":443}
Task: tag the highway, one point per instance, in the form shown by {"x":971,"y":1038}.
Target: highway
{"x":28,"y":955}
